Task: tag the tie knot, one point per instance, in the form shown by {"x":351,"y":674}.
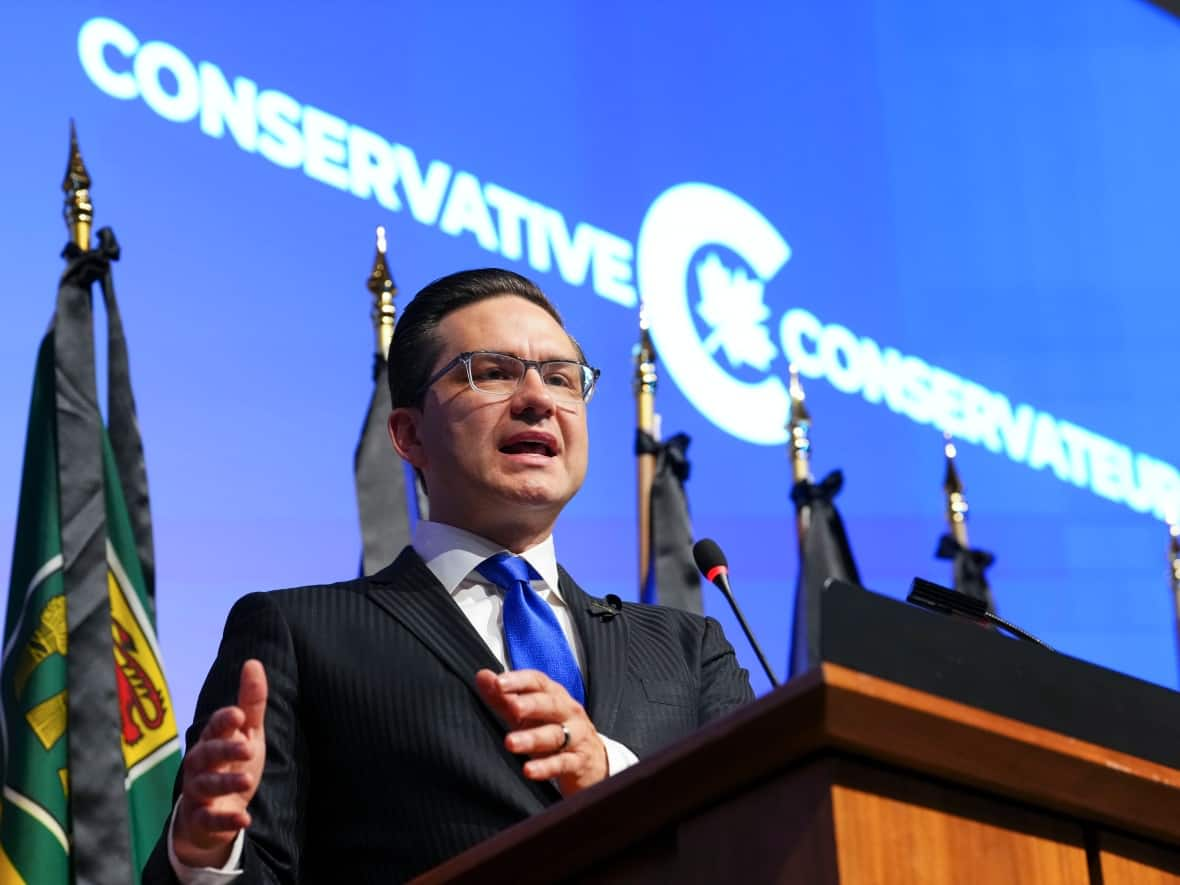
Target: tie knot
{"x":506,"y":571}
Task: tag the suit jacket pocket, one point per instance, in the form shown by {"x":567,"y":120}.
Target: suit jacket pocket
{"x":674,"y":694}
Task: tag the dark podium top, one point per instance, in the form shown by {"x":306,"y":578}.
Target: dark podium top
{"x":959,"y":660}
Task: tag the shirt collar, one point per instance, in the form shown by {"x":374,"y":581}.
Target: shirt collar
{"x":452,"y":554}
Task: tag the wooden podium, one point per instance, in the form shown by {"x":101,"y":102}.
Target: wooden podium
{"x":844,"y":777}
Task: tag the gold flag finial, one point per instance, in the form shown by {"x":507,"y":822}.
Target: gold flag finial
{"x":645,"y":360}
{"x":79,"y":211}
{"x":799,"y":428}
{"x":645,"y":422}
{"x":384,"y":292}
{"x":956,"y":502}
{"x":799,"y":445}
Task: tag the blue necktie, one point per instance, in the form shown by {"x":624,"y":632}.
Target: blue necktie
{"x":531,"y":631}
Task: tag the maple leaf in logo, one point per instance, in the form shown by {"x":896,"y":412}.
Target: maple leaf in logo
{"x":731,"y":303}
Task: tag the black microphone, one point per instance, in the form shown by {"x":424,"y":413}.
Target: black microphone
{"x":711,"y":561}
{"x":946,"y":601}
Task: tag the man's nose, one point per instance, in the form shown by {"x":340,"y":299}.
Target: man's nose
{"x":532,"y":392}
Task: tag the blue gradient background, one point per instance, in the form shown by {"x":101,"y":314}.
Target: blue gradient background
{"x":995,"y":189}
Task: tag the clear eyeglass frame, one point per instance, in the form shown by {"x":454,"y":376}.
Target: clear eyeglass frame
{"x":501,"y":374}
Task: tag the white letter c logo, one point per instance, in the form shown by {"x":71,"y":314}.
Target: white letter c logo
{"x":681,"y":221}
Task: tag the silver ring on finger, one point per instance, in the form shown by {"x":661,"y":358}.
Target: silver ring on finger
{"x":565,"y":737}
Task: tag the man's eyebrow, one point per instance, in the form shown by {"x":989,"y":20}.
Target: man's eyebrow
{"x":565,"y":357}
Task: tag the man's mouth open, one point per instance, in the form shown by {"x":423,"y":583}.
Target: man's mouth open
{"x":529,"y":444}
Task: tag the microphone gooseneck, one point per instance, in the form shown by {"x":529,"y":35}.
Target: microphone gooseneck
{"x":713,"y":565}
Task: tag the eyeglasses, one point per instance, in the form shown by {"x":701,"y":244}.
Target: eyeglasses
{"x":499,"y":374}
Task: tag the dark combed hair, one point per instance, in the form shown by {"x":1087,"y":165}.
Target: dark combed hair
{"x":415,"y":348}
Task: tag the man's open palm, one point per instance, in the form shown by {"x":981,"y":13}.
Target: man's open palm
{"x":221,"y":774}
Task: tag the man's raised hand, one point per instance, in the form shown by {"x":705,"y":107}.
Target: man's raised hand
{"x":540,"y":714}
{"x":221,"y":774}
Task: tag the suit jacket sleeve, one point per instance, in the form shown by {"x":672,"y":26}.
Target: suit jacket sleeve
{"x":724,"y":685}
{"x":255,"y":628}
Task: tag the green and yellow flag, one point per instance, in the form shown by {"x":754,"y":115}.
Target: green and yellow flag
{"x":88,"y":740}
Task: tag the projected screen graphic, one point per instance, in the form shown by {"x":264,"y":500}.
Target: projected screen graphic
{"x":949,"y":220}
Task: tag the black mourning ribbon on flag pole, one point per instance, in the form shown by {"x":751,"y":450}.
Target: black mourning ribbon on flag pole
{"x":970,"y":569}
{"x":672,"y":576}
{"x":99,"y":830}
{"x":381,"y":480}
{"x":122,"y":421}
{"x":824,"y":553}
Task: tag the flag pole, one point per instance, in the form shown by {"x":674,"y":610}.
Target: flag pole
{"x":799,"y":445}
{"x":384,"y":291}
{"x":1174,"y":563}
{"x":824,"y":552}
{"x":645,"y":422}
{"x":381,"y":478}
{"x":969,"y":565}
{"x":104,"y":765}
{"x":79,"y":211}
{"x":956,"y":502}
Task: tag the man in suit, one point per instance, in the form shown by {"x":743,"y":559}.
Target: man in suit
{"x":385,"y":724}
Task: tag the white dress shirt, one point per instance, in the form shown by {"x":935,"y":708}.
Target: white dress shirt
{"x":452,"y":555}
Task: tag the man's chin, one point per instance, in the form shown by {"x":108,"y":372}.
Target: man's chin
{"x":537,"y":492}
{"x":535,"y":499}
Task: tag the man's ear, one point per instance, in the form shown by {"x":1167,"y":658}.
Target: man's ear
{"x":403,"y":433}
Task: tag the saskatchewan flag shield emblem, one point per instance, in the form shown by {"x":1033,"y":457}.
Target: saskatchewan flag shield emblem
{"x":88,"y":739}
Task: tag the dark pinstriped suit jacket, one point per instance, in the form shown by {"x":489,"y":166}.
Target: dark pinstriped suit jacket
{"x":383,"y":761}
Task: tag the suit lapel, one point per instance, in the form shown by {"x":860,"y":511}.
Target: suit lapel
{"x":603,"y":630}
{"x":410,"y":593}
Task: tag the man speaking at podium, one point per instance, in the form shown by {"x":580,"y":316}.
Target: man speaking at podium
{"x":368,"y":730}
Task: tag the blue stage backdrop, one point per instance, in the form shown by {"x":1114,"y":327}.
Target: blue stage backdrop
{"x":949,"y":216}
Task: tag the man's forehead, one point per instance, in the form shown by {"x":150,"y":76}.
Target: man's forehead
{"x":506,"y":323}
